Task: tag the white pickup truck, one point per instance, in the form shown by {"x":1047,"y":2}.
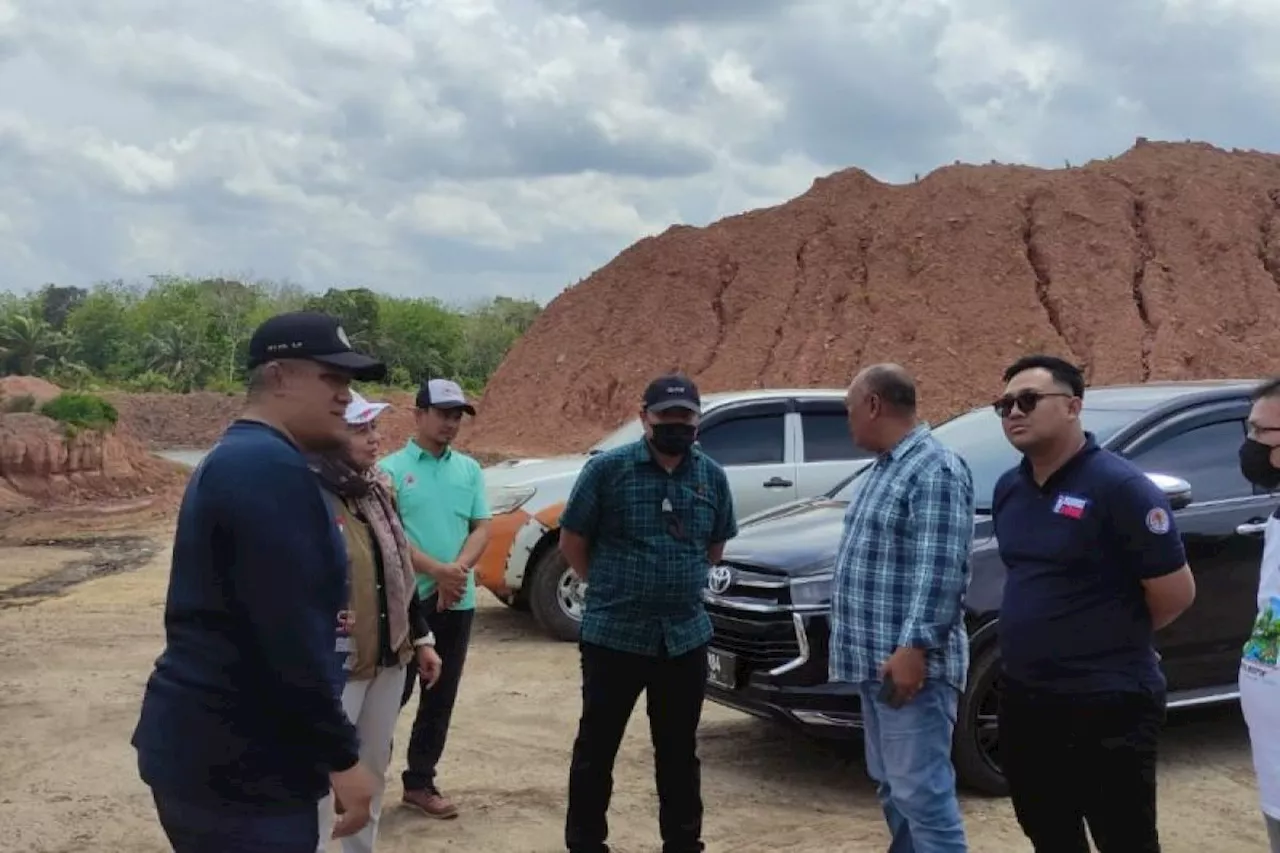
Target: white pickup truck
{"x":776,"y":445}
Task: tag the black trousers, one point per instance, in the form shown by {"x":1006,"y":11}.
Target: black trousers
{"x":452,"y":629}
{"x":611,"y":683}
{"x":1077,"y":761}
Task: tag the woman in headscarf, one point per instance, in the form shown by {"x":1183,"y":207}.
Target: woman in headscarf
{"x":384,"y":629}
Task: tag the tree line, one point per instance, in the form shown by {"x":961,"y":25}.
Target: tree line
{"x":183,"y":334}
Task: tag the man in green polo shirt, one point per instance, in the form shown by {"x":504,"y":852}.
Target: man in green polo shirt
{"x":440,"y":494}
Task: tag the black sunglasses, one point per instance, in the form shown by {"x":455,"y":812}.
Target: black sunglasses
{"x":1026,"y":401}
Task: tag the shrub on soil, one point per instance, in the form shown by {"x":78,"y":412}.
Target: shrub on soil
{"x":76,"y":410}
{"x":20,"y":403}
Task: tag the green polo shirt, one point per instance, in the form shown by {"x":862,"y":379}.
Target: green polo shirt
{"x":438,"y":497}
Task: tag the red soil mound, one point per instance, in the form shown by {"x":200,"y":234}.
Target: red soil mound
{"x":41,"y":465}
{"x":1163,"y":263}
{"x":40,"y":391}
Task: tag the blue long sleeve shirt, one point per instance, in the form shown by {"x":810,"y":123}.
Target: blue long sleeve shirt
{"x":244,"y":704}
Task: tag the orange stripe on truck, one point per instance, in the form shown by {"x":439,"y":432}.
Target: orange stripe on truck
{"x":550,"y":516}
{"x":491,"y":571}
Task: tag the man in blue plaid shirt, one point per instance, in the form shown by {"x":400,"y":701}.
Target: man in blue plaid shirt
{"x":643,"y":525}
{"x":897,"y":626}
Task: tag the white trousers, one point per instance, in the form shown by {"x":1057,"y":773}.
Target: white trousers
{"x":373,"y":705}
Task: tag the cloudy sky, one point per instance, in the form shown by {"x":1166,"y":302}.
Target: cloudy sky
{"x":435,"y":147}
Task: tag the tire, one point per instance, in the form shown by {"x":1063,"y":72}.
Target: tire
{"x":552,"y":591}
{"x":975,"y":746}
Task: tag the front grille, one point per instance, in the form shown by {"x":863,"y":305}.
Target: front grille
{"x":759,"y":640}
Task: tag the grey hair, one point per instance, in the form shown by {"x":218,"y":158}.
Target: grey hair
{"x":892,"y":384}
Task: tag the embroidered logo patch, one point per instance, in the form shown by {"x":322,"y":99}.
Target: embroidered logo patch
{"x":1158,"y":521}
{"x":1072,"y":506}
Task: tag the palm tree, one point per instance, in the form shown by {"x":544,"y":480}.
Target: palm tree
{"x":30,"y":342}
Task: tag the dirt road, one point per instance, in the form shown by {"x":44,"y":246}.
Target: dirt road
{"x":74,"y":660}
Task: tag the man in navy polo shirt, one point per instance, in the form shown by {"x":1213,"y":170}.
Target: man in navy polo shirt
{"x":1095,"y":567}
{"x":242,"y":730}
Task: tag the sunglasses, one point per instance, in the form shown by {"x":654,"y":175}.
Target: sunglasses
{"x":1026,"y":401}
{"x":675,"y":528}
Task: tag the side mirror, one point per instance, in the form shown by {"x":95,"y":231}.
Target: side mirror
{"x":1176,"y":489}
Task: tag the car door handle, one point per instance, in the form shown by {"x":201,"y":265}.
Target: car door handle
{"x":1251,"y":528}
{"x":777,"y":483}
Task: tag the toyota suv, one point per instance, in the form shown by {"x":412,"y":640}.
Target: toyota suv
{"x":775,"y":446}
{"x":770,"y":597}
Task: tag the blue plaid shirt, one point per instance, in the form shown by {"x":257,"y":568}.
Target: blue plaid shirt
{"x":648,"y":533}
{"x":903,"y":565}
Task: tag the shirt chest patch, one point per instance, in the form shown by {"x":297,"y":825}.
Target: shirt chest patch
{"x":1070,"y":506}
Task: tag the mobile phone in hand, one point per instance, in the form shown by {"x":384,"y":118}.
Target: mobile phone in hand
{"x":889,"y":692}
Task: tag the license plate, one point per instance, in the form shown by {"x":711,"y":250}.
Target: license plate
{"x":722,"y":669}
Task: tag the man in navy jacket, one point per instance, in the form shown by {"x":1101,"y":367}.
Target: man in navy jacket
{"x":242,"y":729}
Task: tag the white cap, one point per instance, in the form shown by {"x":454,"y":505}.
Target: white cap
{"x":443,"y":394}
{"x":360,"y":411}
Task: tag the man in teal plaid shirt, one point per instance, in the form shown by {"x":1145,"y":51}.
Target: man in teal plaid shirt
{"x":897,"y":617}
{"x":643,"y":526}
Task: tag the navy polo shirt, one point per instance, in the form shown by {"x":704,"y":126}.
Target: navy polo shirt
{"x":1074,"y":618}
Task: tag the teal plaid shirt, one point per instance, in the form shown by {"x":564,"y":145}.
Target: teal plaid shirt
{"x":648,"y":533}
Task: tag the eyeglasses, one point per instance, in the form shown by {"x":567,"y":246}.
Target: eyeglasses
{"x":1026,"y":401}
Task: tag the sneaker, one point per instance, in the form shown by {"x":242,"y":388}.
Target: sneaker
{"x":431,"y":803}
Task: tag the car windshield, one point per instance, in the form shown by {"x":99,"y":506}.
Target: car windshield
{"x":976,"y":436}
{"x":625,"y":434}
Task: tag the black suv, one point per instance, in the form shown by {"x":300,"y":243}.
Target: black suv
{"x":769,"y":598}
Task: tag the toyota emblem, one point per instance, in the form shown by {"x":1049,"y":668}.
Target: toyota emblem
{"x":719,"y":579}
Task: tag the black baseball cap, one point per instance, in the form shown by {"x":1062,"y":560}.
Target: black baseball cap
{"x":314,"y":336}
{"x":673,"y":391}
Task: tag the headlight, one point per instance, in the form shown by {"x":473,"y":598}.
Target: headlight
{"x":812,"y":590}
{"x":506,"y":499}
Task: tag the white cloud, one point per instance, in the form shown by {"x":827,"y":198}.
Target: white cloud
{"x":423,"y":146}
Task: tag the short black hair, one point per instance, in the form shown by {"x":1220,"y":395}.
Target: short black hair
{"x":1062,"y":371}
{"x":1270,"y":388}
{"x":893,"y":385}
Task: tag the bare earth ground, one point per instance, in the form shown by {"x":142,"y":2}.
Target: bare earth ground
{"x":75,"y":658}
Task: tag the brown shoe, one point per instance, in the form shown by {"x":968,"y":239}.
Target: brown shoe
{"x":431,"y":803}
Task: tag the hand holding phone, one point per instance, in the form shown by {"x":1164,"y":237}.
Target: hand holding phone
{"x":889,"y":693}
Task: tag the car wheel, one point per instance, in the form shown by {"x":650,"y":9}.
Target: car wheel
{"x":556,"y":597}
{"x":976,"y":746}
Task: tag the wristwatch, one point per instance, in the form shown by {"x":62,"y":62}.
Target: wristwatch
{"x":429,"y":640}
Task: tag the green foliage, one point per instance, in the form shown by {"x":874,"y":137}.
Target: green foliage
{"x":87,"y":411}
{"x":179,"y":334}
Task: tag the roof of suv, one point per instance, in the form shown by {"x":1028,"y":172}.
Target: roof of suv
{"x":1153,"y":395}
{"x":1136,"y":397}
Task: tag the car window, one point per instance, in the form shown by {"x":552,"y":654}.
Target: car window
{"x":756,"y":440}
{"x":826,"y":437}
{"x":1205,"y":456}
{"x":977,"y":437}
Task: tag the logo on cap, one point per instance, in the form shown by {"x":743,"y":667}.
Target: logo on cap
{"x":342,"y":336}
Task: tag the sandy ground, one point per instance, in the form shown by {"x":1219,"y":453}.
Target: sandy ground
{"x":75,"y":658}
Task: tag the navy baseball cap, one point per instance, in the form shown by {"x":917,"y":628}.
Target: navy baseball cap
{"x":674,"y":391}
{"x":314,"y":336}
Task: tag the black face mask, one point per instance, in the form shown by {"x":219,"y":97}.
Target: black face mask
{"x":1255,"y":465}
{"x":673,"y":439}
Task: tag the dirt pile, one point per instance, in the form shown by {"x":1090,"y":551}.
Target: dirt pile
{"x":1161,"y":263}
{"x":16,"y":387}
{"x":40,"y":464}
{"x":195,"y":420}
{"x":172,"y":421}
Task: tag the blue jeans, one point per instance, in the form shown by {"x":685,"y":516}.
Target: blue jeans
{"x":215,"y":828}
{"x":909,"y":756}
